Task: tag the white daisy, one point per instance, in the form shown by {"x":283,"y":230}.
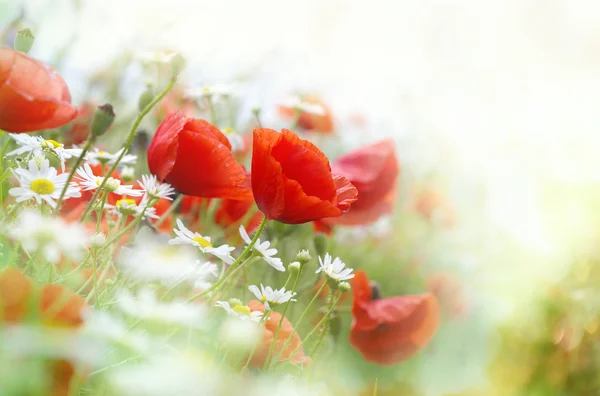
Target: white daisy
{"x":335,"y":269}
{"x":150,"y":260}
{"x":268,"y":295}
{"x":295,"y":102}
{"x":102,"y":157}
{"x":36,"y":145}
{"x":148,"y":307}
{"x":241,"y":311}
{"x":41,"y":182}
{"x":51,"y":236}
{"x":263,"y":249}
{"x":128,"y":207}
{"x":214,"y":90}
{"x":155,"y":189}
{"x":89,"y":181}
{"x":235,"y":139}
{"x":187,"y":237}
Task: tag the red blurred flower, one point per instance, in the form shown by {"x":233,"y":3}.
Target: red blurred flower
{"x":292,"y":180}
{"x":373,"y":170}
{"x":161,"y":207}
{"x":390,"y":330}
{"x":192,"y":207}
{"x":268,"y":337}
{"x":431,"y":203}
{"x":195,"y":157}
{"x":449,"y":290}
{"x":33,"y":96}
{"x":231,"y":211}
{"x":49,"y":305}
{"x":311,"y":121}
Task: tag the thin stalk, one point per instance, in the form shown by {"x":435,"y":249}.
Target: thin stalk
{"x":86,"y":148}
{"x":281,"y":322}
{"x":128,"y":144}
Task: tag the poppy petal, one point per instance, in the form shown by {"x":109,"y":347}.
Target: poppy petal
{"x":162,"y":151}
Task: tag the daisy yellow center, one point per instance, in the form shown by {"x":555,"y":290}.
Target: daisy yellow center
{"x":263,"y":298}
{"x":202,"y":242}
{"x":53,"y":143}
{"x":126,"y":202}
{"x":228,"y":130}
{"x":102,"y":153}
{"x":42,"y":186}
{"x":242,"y":309}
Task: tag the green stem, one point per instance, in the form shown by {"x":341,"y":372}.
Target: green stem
{"x":331,"y":307}
{"x":128,"y":144}
{"x":127,"y":228}
{"x":87,"y":147}
{"x":281,"y":321}
{"x":232,"y":269}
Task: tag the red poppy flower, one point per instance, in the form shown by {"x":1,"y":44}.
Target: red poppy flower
{"x":311,"y":121}
{"x":195,"y":157}
{"x":431,"y":203}
{"x":390,"y":330}
{"x":33,"y":96}
{"x":292,"y":180}
{"x":373,"y":170}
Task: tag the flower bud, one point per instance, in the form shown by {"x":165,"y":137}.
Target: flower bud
{"x":127,"y":173}
{"x":52,"y":159}
{"x":344,"y":287}
{"x":111,"y":184}
{"x":103,"y":119}
{"x":24,"y":41}
{"x":335,"y":324}
{"x":320,"y":241}
{"x":295,"y":266}
{"x":145,"y":98}
{"x":235,"y":301}
{"x":98,"y":239}
{"x":177,"y":64}
{"x":303,"y":256}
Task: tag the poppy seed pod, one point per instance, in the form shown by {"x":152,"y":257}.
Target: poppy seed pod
{"x":103,"y":119}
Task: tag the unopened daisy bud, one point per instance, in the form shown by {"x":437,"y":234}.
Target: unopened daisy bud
{"x":235,"y":301}
{"x":145,"y":98}
{"x":295,"y":266}
{"x":177,"y":64}
{"x":344,"y":287}
{"x":127,"y":173}
{"x":103,"y":119}
{"x":98,"y":239}
{"x":24,"y":41}
{"x":303,"y":256}
{"x":320,"y":241}
{"x":111,"y":184}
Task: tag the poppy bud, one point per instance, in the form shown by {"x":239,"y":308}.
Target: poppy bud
{"x":145,"y":98}
{"x":320,"y":242}
{"x":303,"y":256}
{"x":177,"y":64}
{"x":52,"y":158}
{"x":24,"y":41}
{"x":103,"y":119}
{"x":335,"y":324}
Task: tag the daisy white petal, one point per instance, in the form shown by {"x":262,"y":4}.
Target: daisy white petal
{"x":267,"y":253}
